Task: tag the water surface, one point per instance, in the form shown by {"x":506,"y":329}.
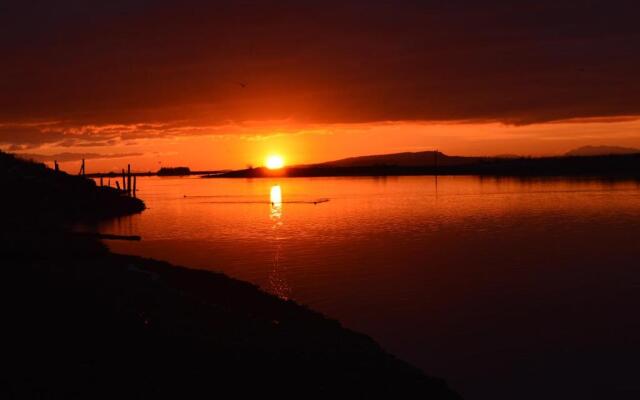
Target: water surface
{"x":509,"y":289}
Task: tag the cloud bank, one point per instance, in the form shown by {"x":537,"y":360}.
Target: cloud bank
{"x":95,"y":72}
{"x":69,"y":156}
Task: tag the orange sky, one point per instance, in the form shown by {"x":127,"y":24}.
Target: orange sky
{"x":252,"y":143}
{"x":221,"y":84}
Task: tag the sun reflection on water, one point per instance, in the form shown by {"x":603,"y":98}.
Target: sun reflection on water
{"x":276,"y":203}
{"x":278,"y":284}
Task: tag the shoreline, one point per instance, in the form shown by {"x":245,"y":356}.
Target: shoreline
{"x":81,"y":321}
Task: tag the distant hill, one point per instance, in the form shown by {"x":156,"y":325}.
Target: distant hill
{"x":417,"y":159}
{"x":601,"y":151}
{"x":508,"y":156}
{"x":424,"y":163}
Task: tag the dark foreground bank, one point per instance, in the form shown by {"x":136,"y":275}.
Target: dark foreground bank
{"x":81,"y":322}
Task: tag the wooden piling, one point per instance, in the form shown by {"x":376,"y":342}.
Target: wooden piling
{"x":124,"y":181}
{"x":118,"y":185}
{"x":101,"y":182}
{"x":129,"y":179}
{"x":435,"y":160}
{"x":134,"y":185}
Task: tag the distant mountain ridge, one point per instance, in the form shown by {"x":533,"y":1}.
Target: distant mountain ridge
{"x":601,"y":151}
{"x":429,"y":158}
{"x":406,"y":159}
{"x":435,"y":163}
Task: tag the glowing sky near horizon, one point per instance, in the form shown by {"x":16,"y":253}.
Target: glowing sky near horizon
{"x":223,"y":84}
{"x":252,"y":147}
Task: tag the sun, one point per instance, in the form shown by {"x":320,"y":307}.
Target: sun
{"x":274,"y":162}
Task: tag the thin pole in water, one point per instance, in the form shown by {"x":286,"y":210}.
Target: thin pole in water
{"x":129,"y":179}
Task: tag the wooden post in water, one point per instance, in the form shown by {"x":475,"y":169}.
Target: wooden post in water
{"x":109,"y":182}
{"x":435,"y":160}
{"x":101,"y":182}
{"x":134,"y":185}
{"x":118,"y":185}
{"x":129,"y":179}
{"x":55,"y":165}
{"x":124,"y":181}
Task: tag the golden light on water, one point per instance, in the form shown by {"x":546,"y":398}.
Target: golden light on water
{"x":276,"y":195}
{"x":278,"y":284}
{"x":274,"y":162}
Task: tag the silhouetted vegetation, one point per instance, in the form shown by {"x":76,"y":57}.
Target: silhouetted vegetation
{"x":174,"y":171}
{"x":81,"y":322}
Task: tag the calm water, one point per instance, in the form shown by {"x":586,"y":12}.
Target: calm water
{"x":508,"y":289}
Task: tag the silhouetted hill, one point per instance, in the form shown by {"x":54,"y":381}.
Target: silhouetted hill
{"x":508,"y":155}
{"x":601,"y":151}
{"x":424,"y":163}
{"x":408,"y":159}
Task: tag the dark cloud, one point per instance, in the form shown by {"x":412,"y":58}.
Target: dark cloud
{"x":96,"y":143}
{"x":68,"y":156}
{"x":28,"y":136}
{"x":163,"y":62}
{"x":21,"y":147}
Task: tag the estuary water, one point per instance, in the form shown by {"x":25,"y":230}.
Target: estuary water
{"x":506,"y":288}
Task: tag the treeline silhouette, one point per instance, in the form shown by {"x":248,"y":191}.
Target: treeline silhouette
{"x":174,"y":171}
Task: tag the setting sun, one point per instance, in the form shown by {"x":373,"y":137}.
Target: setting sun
{"x":274,"y":162}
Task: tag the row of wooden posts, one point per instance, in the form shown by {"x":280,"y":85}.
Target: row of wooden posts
{"x":127,"y":179}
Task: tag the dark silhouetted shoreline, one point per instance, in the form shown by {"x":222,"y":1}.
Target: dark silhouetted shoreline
{"x":82,"y":322}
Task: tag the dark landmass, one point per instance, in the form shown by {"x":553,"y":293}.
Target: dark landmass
{"x":601,"y":151}
{"x":38,"y":196}
{"x":407,"y":159}
{"x":81,"y":322}
{"x":507,"y":155}
{"x":174,"y":171}
{"x":435,"y":163}
{"x":153,"y":173}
